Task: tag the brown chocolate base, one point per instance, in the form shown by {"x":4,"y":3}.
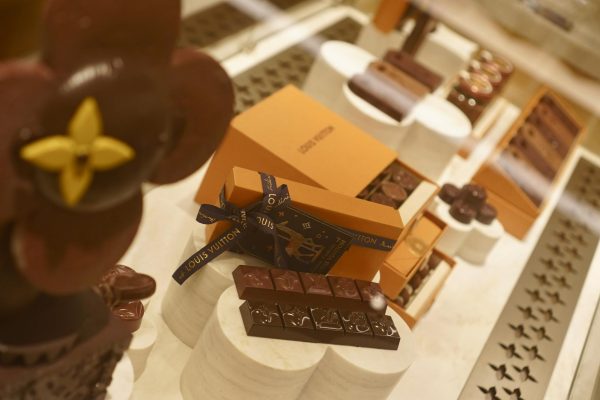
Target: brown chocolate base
{"x":78,"y":370}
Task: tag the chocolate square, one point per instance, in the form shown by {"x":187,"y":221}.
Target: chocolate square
{"x":261,"y":319}
{"x":286,"y":280}
{"x":369,"y":290}
{"x":298,"y":323}
{"x":357,"y":330}
{"x":316,"y":284}
{"x":344,"y":288}
{"x":328,"y":324}
{"x":384,"y":331}
{"x":252,"y":282}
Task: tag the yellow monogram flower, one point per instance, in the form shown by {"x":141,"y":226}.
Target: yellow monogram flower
{"x":77,"y":155}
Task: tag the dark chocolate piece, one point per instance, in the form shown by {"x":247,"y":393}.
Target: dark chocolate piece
{"x":521,"y":144}
{"x":358,"y":331}
{"x":561,"y":113}
{"x":476,"y":86}
{"x":394,"y":192}
{"x":297,"y":322}
{"x":505,"y":67}
{"x":122,"y":284}
{"x":131,"y":313}
{"x":381,"y":198}
{"x":253,"y":283}
{"x":400,"y":78}
{"x":405,"y":62}
{"x":306,"y":289}
{"x":434,"y":261}
{"x":328,"y":324}
{"x":448,"y":193}
{"x":469,"y":106}
{"x":406,"y":180}
{"x":462,"y":212}
{"x":316,"y":284}
{"x":382,"y":93}
{"x":487,"y":214}
{"x":535,"y":139}
{"x":261,"y":319}
{"x":344,"y":288}
{"x":490,"y":71}
{"x":384,"y":331}
{"x":551,"y":126}
{"x":473,"y":196}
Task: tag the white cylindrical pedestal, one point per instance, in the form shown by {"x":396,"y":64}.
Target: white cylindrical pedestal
{"x":229,"y":365}
{"x":436,"y":134}
{"x":455,"y":234}
{"x":141,"y":346}
{"x":336,"y":63}
{"x":121,"y":386}
{"x":186,"y":308}
{"x":370,"y":119}
{"x":354,"y":373}
{"x":481,"y":241}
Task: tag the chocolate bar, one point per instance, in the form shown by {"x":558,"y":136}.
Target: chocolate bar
{"x":560,"y":113}
{"x":399,"y":77}
{"x":383,"y":93}
{"x":520,"y":144}
{"x":410,"y":291}
{"x":392,"y":187}
{"x":520,"y":170}
{"x":535,"y":139}
{"x":275,"y":285}
{"x":406,"y":63}
{"x":318,"y":324}
{"x":551,"y":127}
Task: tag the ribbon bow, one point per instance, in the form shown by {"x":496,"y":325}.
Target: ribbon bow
{"x":243,"y":220}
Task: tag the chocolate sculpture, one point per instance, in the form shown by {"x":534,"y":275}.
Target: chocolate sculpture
{"x":110,"y":106}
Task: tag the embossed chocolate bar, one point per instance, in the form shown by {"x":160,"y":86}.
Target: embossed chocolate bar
{"x":275,"y":285}
{"x":383,"y":93}
{"x":313,"y":323}
{"x":406,"y":63}
{"x":400,"y":77}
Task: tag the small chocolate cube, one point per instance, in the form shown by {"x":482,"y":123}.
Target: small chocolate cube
{"x":357,"y":329}
{"x":344,"y":288}
{"x":384,"y":331}
{"x":328,"y":324}
{"x":287,"y":282}
{"x":261,"y":319}
{"x":316,"y":284}
{"x":297,"y":323}
{"x":372,"y":296}
{"x":253,"y":282}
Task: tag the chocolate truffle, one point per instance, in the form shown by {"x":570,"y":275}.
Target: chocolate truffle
{"x":394,"y":192}
{"x":473,"y":196}
{"x":382,"y":199}
{"x":462,"y":212}
{"x":448,"y":193}
{"x":487,"y":214}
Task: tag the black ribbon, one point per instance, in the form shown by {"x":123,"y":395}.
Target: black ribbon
{"x":243,"y":219}
{"x":257,"y":216}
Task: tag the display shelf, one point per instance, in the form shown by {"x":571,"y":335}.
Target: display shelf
{"x":469,"y":18}
{"x":449,"y":337}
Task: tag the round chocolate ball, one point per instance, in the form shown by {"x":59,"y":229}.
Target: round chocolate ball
{"x":462,"y":212}
{"x":394,"y":192}
{"x":382,"y":199}
{"x":406,"y":180}
{"x":449,"y":193}
{"x":434,"y":261}
{"x":473,"y":195}
{"x":487,"y":214}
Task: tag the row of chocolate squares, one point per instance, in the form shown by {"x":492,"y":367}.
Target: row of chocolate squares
{"x":392,"y":187}
{"x":410,"y":290}
{"x":319,"y":325}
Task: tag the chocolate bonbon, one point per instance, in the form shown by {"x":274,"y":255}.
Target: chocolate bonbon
{"x":274,"y":285}
{"x":392,"y":187}
{"x":319,"y":324}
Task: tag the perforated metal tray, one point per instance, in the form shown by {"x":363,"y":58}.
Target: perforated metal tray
{"x":217,"y":22}
{"x":289,"y":66}
{"x":518,"y":359}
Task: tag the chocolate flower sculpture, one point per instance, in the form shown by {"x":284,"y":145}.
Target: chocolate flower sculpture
{"x":110,"y":105}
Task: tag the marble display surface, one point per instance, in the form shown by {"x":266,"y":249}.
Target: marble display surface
{"x":226,"y":363}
